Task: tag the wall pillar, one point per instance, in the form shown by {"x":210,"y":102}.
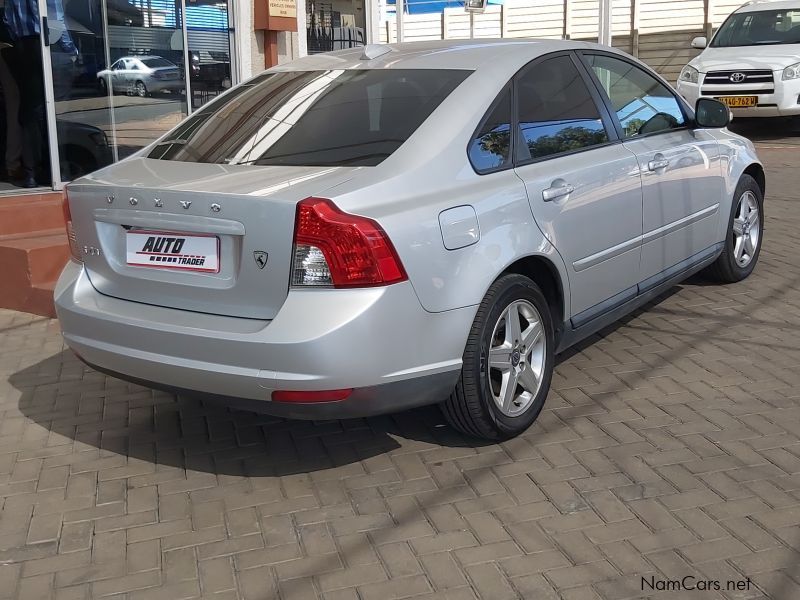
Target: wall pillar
{"x":276,"y":19}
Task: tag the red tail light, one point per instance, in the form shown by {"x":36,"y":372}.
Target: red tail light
{"x":73,"y":242}
{"x":335,"y":248}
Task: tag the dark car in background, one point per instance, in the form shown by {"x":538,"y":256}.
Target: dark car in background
{"x":82,"y":149}
{"x":210,"y":73}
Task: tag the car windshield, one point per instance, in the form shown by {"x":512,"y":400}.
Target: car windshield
{"x":312,"y":118}
{"x":757,"y":28}
{"x":157,"y":62}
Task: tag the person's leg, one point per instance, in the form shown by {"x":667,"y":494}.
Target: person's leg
{"x":32,"y":110}
{"x":13,"y":138}
{"x":26,"y":67}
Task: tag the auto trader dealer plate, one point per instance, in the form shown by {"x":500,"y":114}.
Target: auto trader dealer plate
{"x":173,"y":251}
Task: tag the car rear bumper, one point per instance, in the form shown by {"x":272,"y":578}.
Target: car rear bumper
{"x":379,"y":342}
{"x":784,"y":101}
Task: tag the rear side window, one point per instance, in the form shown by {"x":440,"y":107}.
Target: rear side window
{"x":557,"y":113}
{"x":490,"y":148}
{"x":312,"y":118}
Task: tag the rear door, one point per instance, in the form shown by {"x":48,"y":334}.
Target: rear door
{"x":682,"y":177}
{"x":583,"y":186}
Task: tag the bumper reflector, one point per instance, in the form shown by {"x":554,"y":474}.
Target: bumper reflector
{"x":308,"y":396}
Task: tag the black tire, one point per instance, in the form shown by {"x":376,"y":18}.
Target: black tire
{"x":141,"y":89}
{"x":727,"y":269}
{"x":102,"y":85}
{"x":471,"y":408}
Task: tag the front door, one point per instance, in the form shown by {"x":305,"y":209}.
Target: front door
{"x":681,"y":170}
{"x":118,"y":76}
{"x":584,"y":189}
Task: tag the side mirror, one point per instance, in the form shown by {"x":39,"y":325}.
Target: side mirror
{"x":700,"y":42}
{"x":711,"y":114}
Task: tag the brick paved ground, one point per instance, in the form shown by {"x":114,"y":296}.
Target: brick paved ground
{"x":669,"y":447}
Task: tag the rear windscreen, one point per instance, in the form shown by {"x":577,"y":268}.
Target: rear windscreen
{"x":312,"y":118}
{"x":157,"y":62}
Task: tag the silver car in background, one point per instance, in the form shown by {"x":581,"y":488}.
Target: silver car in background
{"x":374,"y":229}
{"x":141,"y":76}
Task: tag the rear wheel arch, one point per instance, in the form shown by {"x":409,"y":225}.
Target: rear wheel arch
{"x":546,"y":275}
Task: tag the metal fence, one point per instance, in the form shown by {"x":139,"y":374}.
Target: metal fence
{"x":659,"y":32}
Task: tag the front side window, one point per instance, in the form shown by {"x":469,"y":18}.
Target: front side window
{"x":643,"y":104}
{"x":490,"y":148}
{"x":556,"y":112}
{"x":312,"y":118}
{"x":759,"y":28}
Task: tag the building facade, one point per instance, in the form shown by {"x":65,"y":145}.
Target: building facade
{"x":87,"y":82}
{"x":84,"y":83}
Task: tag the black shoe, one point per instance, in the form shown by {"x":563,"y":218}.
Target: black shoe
{"x":29,"y":181}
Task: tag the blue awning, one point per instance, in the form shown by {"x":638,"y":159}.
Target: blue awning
{"x":416,"y":7}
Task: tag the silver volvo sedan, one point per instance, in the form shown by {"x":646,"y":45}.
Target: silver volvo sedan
{"x":379,"y":228}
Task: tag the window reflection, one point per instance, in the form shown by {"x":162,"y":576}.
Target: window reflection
{"x":556,"y":111}
{"x":148,"y":75}
{"x":209,"y":49}
{"x":335,"y":24}
{"x":83,"y":115}
{"x":643,"y":104}
{"x":492,"y":146}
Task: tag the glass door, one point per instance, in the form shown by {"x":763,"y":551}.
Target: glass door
{"x":335,"y":24}
{"x":80,"y":119}
{"x":115,"y":72}
{"x":210,"y":51}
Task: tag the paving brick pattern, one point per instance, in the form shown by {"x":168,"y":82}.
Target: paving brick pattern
{"x":669,"y":447}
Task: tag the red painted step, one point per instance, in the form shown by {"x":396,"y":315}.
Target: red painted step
{"x":33,"y":250}
{"x":30,"y":213}
{"x":30,"y":265}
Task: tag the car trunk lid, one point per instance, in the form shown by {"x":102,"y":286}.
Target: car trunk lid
{"x":128,"y":213}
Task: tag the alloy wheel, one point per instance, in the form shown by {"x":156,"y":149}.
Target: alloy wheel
{"x":516,"y":358}
{"x":746,"y":229}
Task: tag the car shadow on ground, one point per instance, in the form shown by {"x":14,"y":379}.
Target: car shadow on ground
{"x":767,"y":130}
{"x":72,"y":401}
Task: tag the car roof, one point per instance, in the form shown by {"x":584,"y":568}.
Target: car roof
{"x":759,"y":5}
{"x":438,"y":54}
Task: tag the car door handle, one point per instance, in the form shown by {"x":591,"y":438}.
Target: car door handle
{"x":657,"y":164}
{"x":557,"y":191}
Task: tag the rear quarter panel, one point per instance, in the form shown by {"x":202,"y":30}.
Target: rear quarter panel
{"x":431,"y":173}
